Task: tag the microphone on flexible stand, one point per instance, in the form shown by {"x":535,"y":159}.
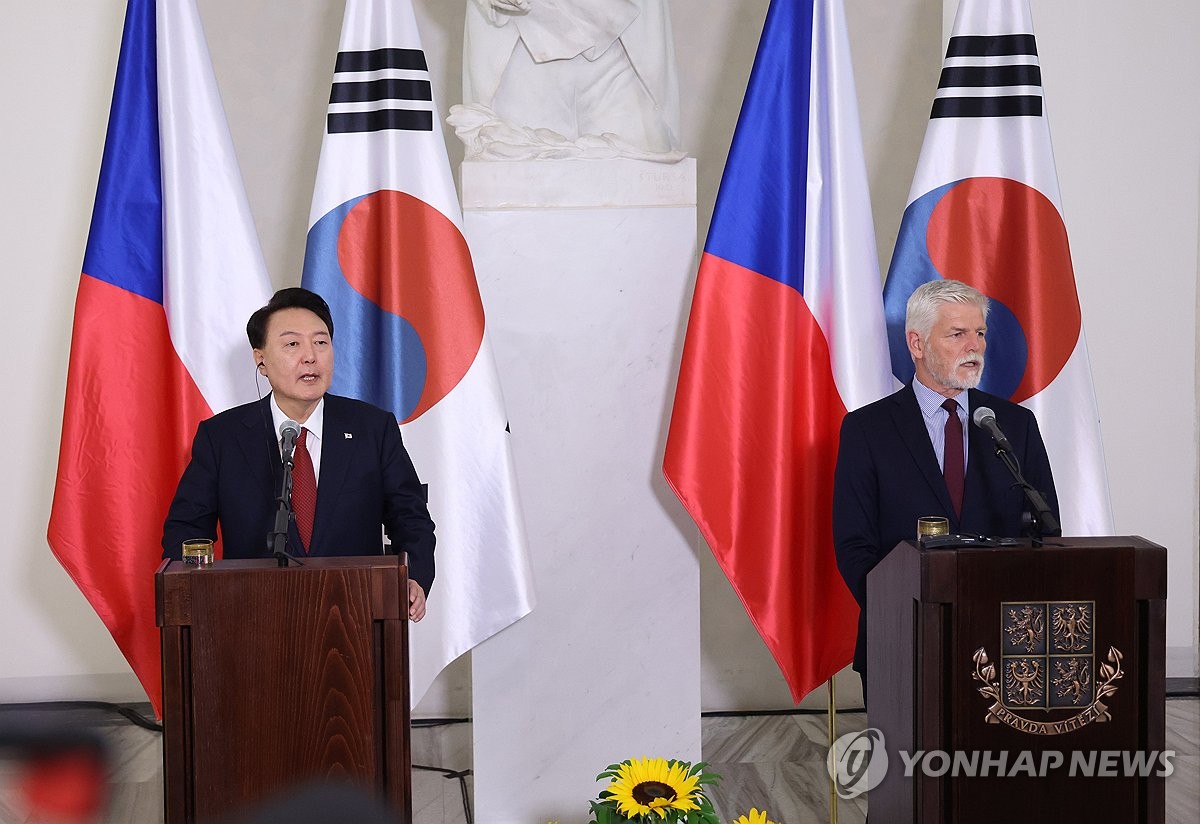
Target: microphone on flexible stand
{"x":289,"y":431}
{"x":985,"y":419}
{"x":1041,"y":519}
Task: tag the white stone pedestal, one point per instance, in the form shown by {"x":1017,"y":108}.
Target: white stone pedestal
{"x":584,"y":268}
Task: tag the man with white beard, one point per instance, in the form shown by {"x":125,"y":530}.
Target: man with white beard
{"x":914,"y":453}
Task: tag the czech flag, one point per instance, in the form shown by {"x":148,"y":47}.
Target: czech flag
{"x":386,"y":250}
{"x":785,"y":336}
{"x":985,"y":209}
{"x":171,"y":272}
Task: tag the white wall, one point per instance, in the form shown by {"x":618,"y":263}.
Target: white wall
{"x":1123,"y":95}
{"x":50,"y":145}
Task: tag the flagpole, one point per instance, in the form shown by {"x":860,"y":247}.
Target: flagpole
{"x":832,"y":715}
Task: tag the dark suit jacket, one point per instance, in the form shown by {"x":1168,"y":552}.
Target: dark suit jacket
{"x":367,"y":480}
{"x":888,"y":476}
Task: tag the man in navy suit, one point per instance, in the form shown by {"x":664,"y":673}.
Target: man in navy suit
{"x":365,"y":481}
{"x":891,"y":466}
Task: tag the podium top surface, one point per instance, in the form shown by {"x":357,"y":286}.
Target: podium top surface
{"x":176,"y":567}
{"x":244,"y":585}
{"x":936,"y":571}
{"x":1049,"y":545}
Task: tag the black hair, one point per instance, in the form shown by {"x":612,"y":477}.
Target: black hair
{"x":291,"y":298}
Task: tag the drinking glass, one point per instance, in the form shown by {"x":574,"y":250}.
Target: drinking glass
{"x":198,"y":552}
{"x":930,"y":525}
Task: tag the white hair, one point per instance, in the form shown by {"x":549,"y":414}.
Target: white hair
{"x":921,"y":312}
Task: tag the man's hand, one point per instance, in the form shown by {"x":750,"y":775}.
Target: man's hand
{"x":416,"y":601}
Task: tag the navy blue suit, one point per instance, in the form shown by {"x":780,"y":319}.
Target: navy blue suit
{"x":888,"y":476}
{"x":367,"y":480}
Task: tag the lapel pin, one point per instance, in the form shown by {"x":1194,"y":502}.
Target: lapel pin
{"x":347,"y":436}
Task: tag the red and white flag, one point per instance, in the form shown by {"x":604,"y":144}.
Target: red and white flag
{"x":171,"y":271}
{"x":785,"y":336}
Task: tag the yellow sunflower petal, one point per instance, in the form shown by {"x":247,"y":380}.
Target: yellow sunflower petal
{"x":632,"y":802}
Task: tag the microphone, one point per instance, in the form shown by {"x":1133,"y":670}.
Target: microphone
{"x":1039,"y":519}
{"x":289,"y":430}
{"x":985,"y":419}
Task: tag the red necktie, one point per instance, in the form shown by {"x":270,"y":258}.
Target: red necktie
{"x":953,"y":462}
{"x":304,"y":490}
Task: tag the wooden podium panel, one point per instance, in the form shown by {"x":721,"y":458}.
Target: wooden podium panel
{"x":1074,"y":634}
{"x":278,"y":676}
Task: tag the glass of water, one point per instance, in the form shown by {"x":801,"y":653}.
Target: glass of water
{"x":198,"y":552}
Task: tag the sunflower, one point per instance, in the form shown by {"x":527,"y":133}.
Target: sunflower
{"x":755,"y":816}
{"x":641,"y":786}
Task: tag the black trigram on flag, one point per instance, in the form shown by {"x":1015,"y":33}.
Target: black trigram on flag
{"x":380,"y":89}
{"x":990,"y":76}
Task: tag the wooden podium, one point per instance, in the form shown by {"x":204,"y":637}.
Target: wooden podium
{"x":278,"y":676}
{"x":989,"y":653}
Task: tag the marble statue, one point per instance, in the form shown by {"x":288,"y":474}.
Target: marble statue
{"x":568,"y":78}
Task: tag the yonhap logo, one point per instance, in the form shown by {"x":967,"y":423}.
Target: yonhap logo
{"x":857,"y":762}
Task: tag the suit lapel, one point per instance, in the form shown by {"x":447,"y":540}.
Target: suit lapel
{"x":260,"y":449}
{"x":336,"y":452}
{"x":906,"y":414}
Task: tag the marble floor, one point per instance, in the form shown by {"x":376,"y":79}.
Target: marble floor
{"x":771,"y":761}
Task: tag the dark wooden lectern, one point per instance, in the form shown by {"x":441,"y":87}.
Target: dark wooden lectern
{"x":277,"y":676}
{"x":990,"y":651}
